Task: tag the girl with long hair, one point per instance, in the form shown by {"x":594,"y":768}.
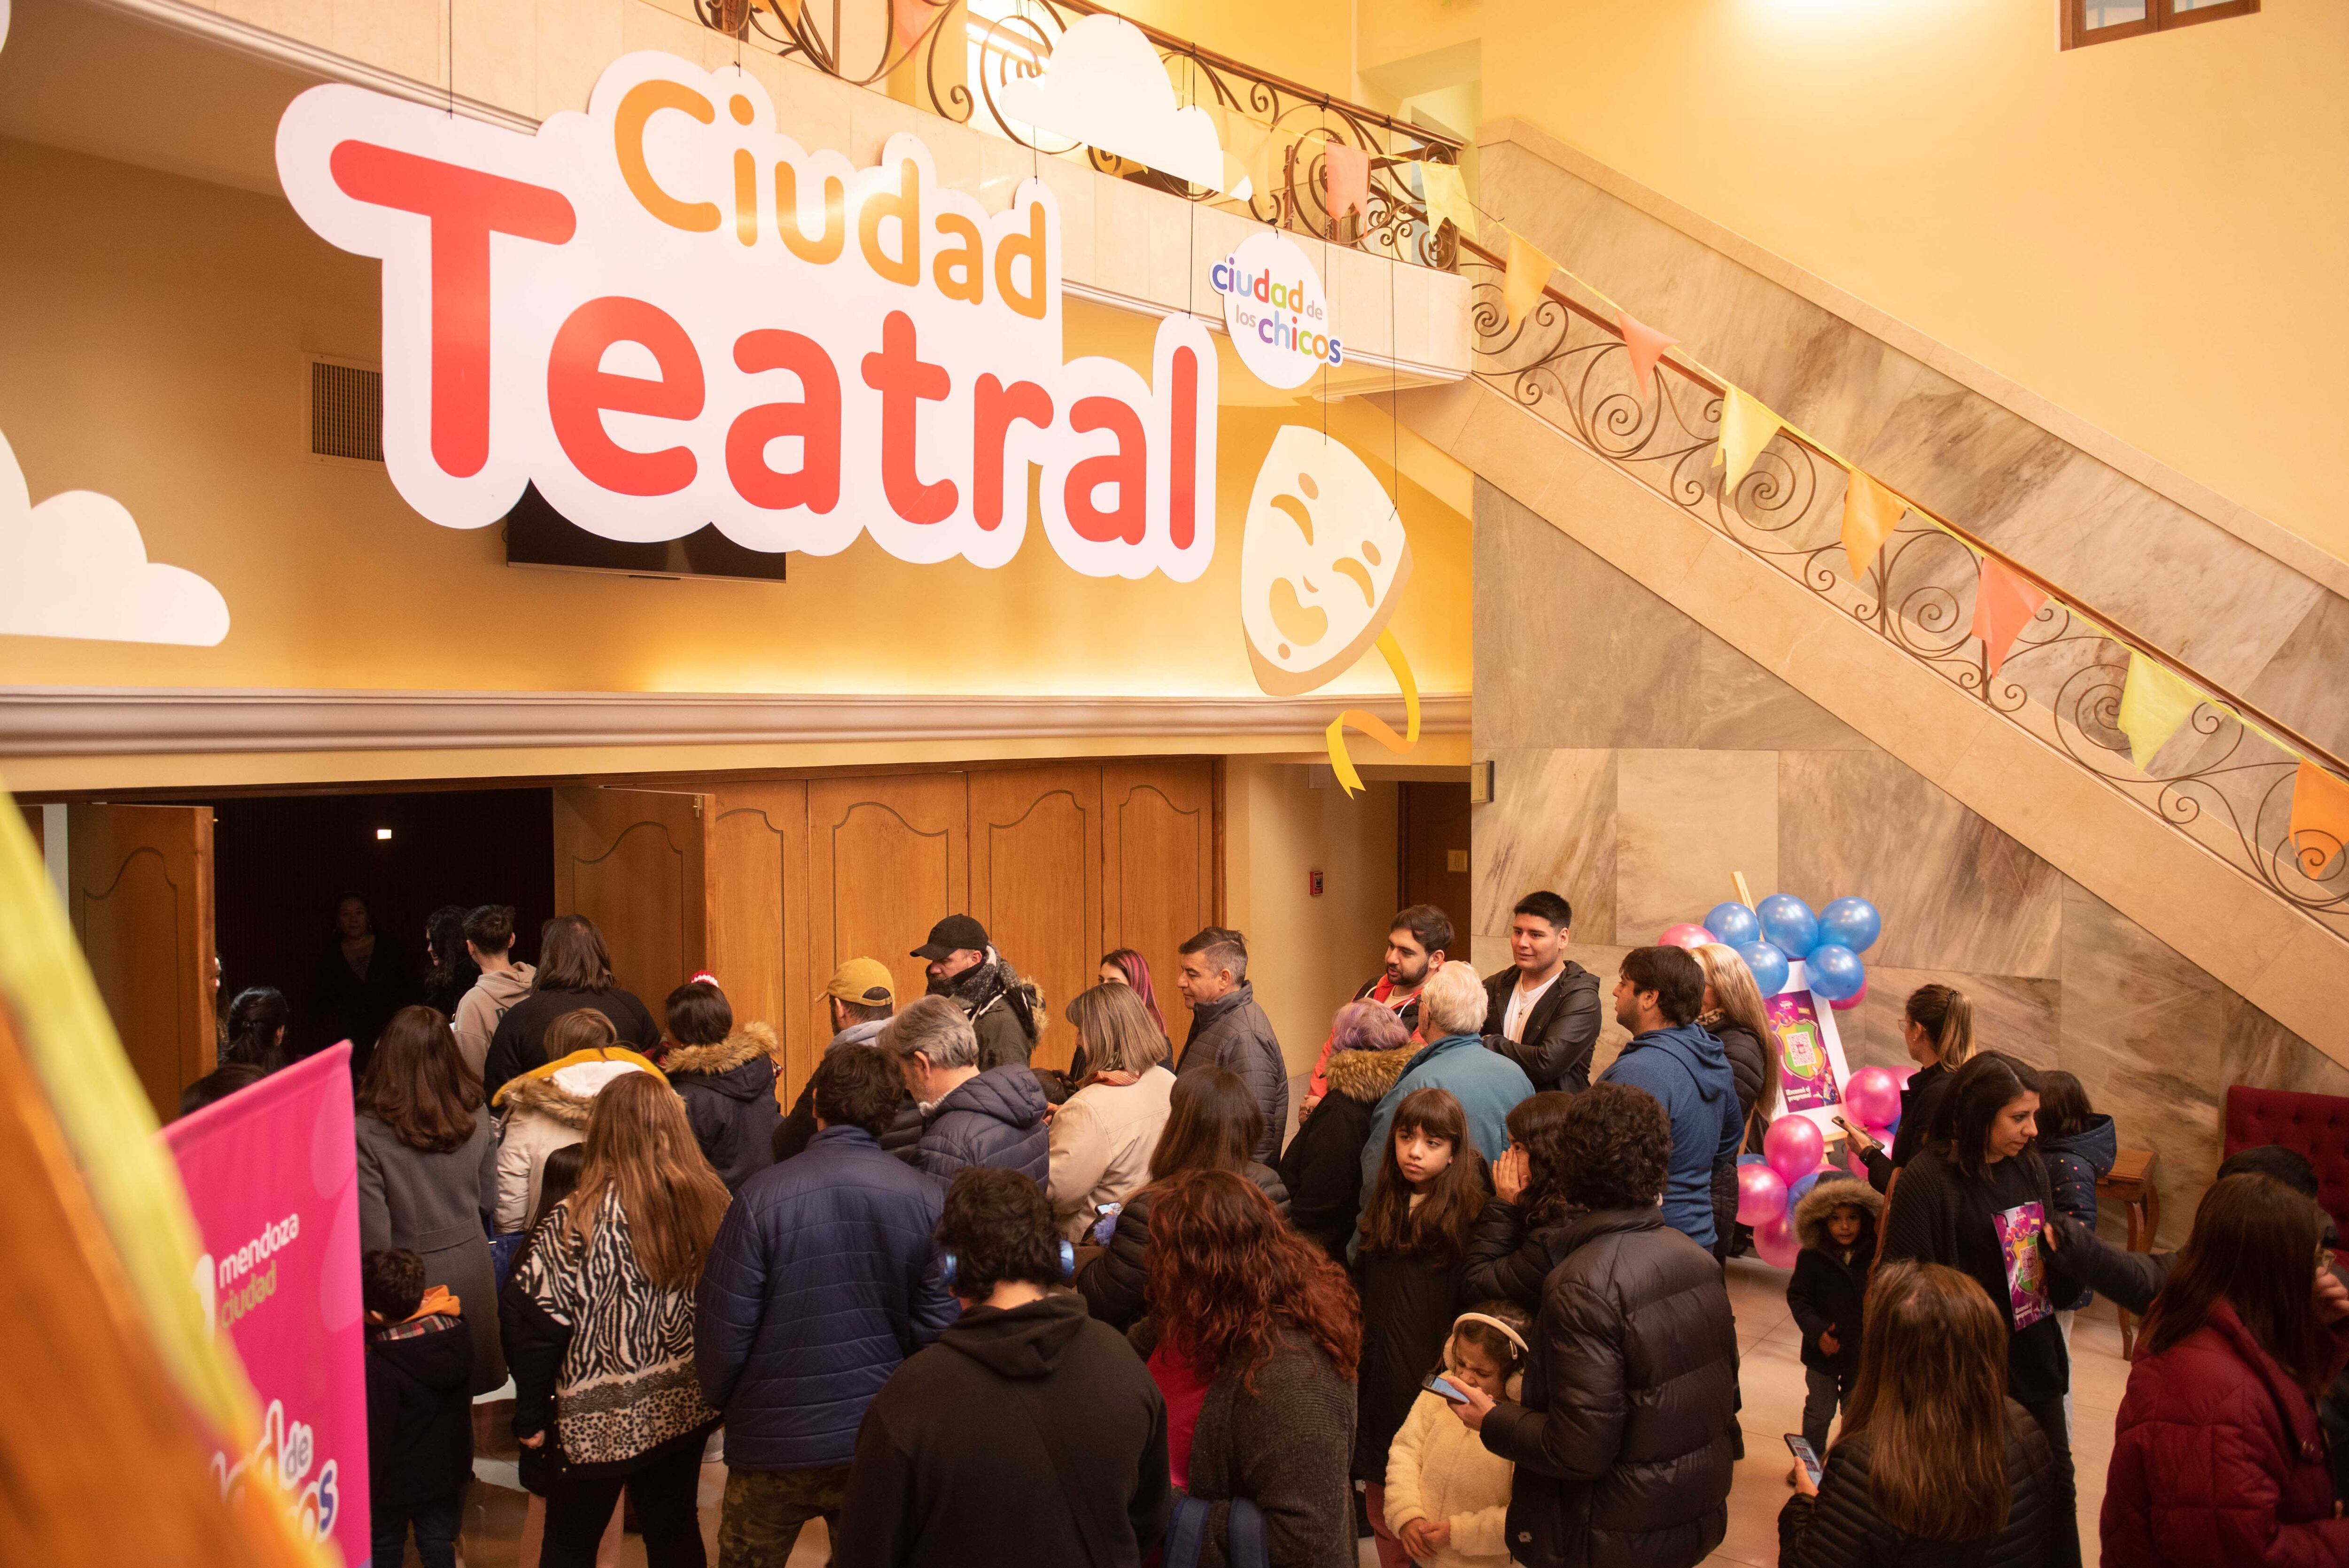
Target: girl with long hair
{"x":256,"y":1027}
{"x":1253,"y":1337}
{"x":427,"y":1161}
{"x":1102,"y":1138}
{"x":1935,"y":1465}
{"x":1937,"y":1025}
{"x":1212,"y":1124}
{"x":449,"y":971}
{"x":1125,"y":966}
{"x":604,"y":1329}
{"x":1732,"y":1013}
{"x":574,"y":971}
{"x":1509,"y":1251}
{"x":1977,"y":1200}
{"x":1430,"y":1193}
{"x":2218,"y":1455}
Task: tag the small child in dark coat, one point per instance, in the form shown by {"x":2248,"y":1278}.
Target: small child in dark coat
{"x":420,"y":1375}
{"x":1836,"y":1221}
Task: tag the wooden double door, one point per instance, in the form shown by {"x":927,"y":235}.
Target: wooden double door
{"x":771,"y":884}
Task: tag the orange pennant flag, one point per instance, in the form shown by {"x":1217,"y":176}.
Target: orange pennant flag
{"x":2320,"y":818}
{"x":1528,"y":274}
{"x":2003,"y":604}
{"x":1646,"y":345}
{"x":1346,"y":170}
{"x":1871,"y":514}
{"x":912,"y":19}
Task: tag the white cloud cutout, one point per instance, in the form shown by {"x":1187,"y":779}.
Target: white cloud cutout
{"x":75,"y":566}
{"x":1105,"y":86}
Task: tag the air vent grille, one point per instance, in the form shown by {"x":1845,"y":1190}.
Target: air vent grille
{"x":345,"y":411}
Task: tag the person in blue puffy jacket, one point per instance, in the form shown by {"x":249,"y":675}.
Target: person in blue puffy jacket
{"x":995,"y":1118}
{"x":822,"y":1280}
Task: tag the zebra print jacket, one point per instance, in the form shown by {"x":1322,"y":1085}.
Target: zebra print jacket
{"x":592,"y":1339}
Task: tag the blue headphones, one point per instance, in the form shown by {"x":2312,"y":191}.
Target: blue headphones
{"x":949,"y":1265}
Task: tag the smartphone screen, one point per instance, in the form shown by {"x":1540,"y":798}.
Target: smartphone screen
{"x":1106,"y":1226}
{"x":1800,"y":1446}
{"x":1442,"y":1389}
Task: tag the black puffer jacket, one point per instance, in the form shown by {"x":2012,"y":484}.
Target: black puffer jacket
{"x":1507,"y":1260}
{"x":996,"y":1119}
{"x":1112,"y":1282}
{"x":1409,"y":1301}
{"x":1748,"y":1065}
{"x":1558,"y":1034}
{"x":1841,"y":1529}
{"x":519,"y":1043}
{"x":1322,"y":1168}
{"x":1624,"y":1439}
{"x":728,"y":1090}
{"x":1233,"y":1032}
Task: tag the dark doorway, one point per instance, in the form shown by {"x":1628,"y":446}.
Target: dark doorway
{"x":282,"y":865}
{"x":1433,"y":819}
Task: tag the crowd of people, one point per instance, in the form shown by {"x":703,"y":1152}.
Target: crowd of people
{"x":1469,"y":1303}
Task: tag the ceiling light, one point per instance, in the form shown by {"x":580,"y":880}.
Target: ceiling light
{"x":382,"y":834}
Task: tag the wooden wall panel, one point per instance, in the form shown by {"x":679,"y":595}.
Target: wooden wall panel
{"x":1036,"y":883}
{"x":142,"y":910}
{"x":757,"y":920}
{"x":1158,"y":866}
{"x":887,"y":857}
{"x":635,"y":861}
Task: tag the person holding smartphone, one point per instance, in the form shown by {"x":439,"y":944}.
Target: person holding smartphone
{"x":1936,"y":1466}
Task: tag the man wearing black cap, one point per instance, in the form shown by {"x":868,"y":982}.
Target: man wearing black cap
{"x":1005,"y":1011}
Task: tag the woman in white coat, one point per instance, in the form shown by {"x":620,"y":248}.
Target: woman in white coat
{"x":546,"y":1109}
{"x":1102,"y":1137}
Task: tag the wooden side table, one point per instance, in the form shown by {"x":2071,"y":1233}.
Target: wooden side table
{"x":2129,"y":1183}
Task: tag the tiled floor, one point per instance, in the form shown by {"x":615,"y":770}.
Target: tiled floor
{"x":1772,"y":1375}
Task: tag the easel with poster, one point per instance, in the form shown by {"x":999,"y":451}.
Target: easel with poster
{"x":1808,"y":1053}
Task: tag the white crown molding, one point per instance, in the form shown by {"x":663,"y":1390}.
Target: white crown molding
{"x":88,"y":721}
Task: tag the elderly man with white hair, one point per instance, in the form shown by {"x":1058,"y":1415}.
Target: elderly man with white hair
{"x":994,"y":1118}
{"x":1488,"y":1085}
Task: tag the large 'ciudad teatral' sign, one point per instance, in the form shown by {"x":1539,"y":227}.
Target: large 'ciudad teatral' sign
{"x":666,"y":314}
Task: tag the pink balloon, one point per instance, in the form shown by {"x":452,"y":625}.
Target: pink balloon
{"x":1793,"y":1147}
{"x":1761,"y":1195}
{"x":1854,"y":1000}
{"x":1872,"y":1098}
{"x":1901,"y":1075}
{"x":1855,"y":1165}
{"x":1684,"y":935}
{"x":1776,"y":1242}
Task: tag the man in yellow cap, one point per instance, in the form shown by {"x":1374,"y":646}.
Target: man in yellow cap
{"x":862,"y":998}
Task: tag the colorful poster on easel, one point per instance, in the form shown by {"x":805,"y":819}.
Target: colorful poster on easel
{"x":1811,"y":1070}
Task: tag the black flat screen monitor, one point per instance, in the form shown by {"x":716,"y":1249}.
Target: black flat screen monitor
{"x":538,"y":535}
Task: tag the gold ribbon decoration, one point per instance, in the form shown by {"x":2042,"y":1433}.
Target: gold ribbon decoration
{"x":1372,"y":725}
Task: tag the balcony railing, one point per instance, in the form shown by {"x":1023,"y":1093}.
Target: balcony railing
{"x":955,"y":58}
{"x":2225,"y":779}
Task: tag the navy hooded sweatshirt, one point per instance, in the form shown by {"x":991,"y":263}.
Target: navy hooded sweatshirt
{"x":1688,"y":1071}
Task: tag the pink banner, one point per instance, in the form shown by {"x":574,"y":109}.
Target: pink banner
{"x":1805,"y":1070}
{"x":272,"y":1174}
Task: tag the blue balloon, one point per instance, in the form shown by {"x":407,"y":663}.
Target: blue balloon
{"x":1734,"y":923}
{"x":1753,"y":1160}
{"x":1851,"y":922}
{"x":1834,"y":971}
{"x":1769,"y":966}
{"x":1789,"y":924}
{"x":1802,"y":1189}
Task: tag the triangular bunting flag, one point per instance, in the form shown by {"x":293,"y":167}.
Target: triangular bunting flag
{"x":1747,"y":428}
{"x":2154,"y":700}
{"x":2003,"y":605}
{"x":912,"y":19}
{"x":2320,"y":818}
{"x":1347,"y":171}
{"x":1447,"y":197}
{"x":1528,"y":274}
{"x":1646,"y":345}
{"x":1871,"y":514}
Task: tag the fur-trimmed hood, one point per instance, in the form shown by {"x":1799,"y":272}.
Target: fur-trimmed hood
{"x":565,"y":1090}
{"x":1366,"y":1075}
{"x":983,"y":987}
{"x":1824,"y":1198}
{"x":747,"y":1043}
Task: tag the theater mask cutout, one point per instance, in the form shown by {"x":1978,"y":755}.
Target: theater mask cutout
{"x":1321,"y":563}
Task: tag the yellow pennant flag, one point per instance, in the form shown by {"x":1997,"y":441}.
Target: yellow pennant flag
{"x":1447,"y":197}
{"x":2320,"y":818}
{"x":1528,"y":274}
{"x":1871,"y":514}
{"x":2155,"y":701}
{"x":1747,"y":428}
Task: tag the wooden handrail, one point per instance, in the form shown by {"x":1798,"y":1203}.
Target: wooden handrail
{"x":2118,"y":630}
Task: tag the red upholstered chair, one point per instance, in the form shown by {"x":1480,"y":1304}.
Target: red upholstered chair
{"x":2314,"y":1125}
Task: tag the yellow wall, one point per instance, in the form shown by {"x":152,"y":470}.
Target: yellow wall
{"x":155,"y":327}
{"x":1306,"y":955}
{"x":1309,"y":41}
{"x":2147,"y":232}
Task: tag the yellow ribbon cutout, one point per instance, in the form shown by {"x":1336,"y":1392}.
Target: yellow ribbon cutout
{"x":1372,"y":725}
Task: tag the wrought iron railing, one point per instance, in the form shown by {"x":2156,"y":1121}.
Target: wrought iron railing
{"x":2225,"y":779}
{"x":954,"y":58}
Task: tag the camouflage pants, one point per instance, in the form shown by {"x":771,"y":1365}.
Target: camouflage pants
{"x":765,"y":1511}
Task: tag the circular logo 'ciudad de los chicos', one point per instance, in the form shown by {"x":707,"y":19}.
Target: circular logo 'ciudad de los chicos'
{"x":1274,"y":309}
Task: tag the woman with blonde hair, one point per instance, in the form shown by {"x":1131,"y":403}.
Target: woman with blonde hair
{"x":1733,"y":1015}
{"x":1938,"y":1027}
{"x":1101,"y":1138}
{"x":602,"y":1329}
{"x":1935,"y":1465}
